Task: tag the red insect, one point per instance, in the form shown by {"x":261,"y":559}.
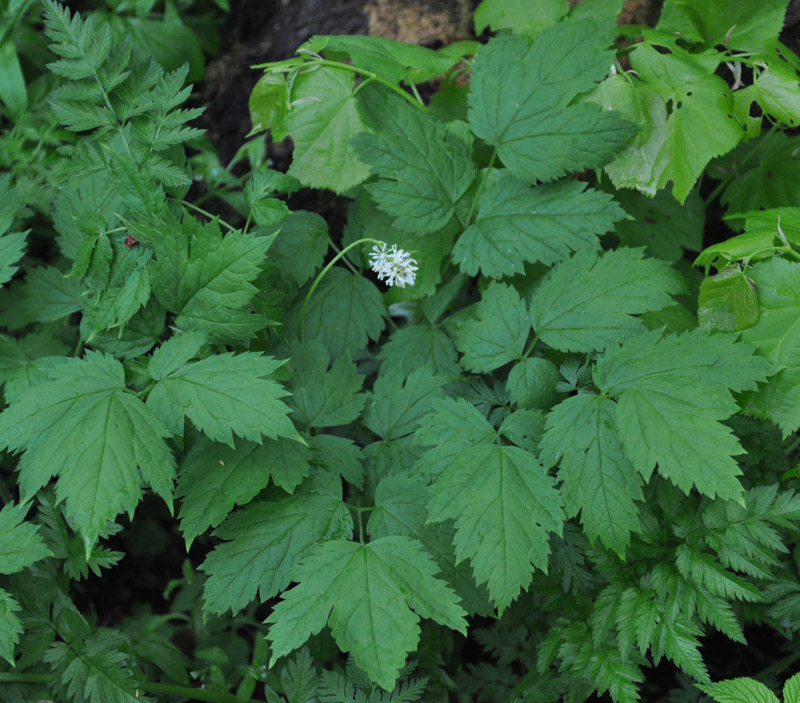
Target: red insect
{"x":130,"y":240}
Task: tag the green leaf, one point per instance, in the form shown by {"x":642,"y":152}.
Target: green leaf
{"x":269,"y":105}
{"x":48,"y":295}
{"x":322,"y":397}
{"x":688,"y":120}
{"x":424,"y":166}
{"x":777,"y":339}
{"x":322,"y":121}
{"x":775,"y":86}
{"x":498,"y":333}
{"x":662,"y":225}
{"x":264,"y":542}
{"x":521,"y":95}
{"x":746,"y":25}
{"x":10,"y":626}
{"x":392,"y":60}
{"x":20,"y":542}
{"x":372,"y":597}
{"x":597,"y":478}
{"x":345,"y":312}
{"x":339,"y":456}
{"x":397,"y":405}
{"x":421,"y":345}
{"x":673,"y":395}
{"x":504,"y":505}
{"x":223,"y":395}
{"x":207,"y":279}
{"x":741,"y":690}
{"x":518,"y":224}
{"x":299,"y":231}
{"x":600,"y":311}
{"x":214,"y":478}
{"x":791,"y":690}
{"x":12,"y":247}
{"x":12,"y":81}
{"x":518,"y":16}
{"x":728,"y":302}
{"x":99,"y":439}
{"x":94,"y":670}
{"x":531,"y":383}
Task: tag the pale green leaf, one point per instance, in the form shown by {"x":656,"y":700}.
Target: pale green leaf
{"x":372,"y":597}
{"x":741,"y":690}
{"x":791,"y":690}
{"x":12,"y":247}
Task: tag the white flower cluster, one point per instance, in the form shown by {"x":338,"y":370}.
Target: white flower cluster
{"x":394,"y":265}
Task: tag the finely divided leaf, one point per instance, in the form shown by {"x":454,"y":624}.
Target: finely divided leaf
{"x":517,"y":224}
{"x":372,"y":597}
{"x":20,"y":542}
{"x":101,"y":440}
{"x":224,"y":395}
{"x":499,"y":332}
{"x":597,"y":478}
{"x":589,"y":301}
{"x":504,"y":505}
{"x":215,"y":477}
{"x":264,"y":542}
{"x":424,"y":166}
{"x":520,"y":101}
{"x":10,"y":626}
{"x":741,"y":690}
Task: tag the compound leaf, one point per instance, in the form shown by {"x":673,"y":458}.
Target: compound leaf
{"x":372,"y":597}
{"x":504,"y":505}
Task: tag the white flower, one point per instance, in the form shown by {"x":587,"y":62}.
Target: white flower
{"x":394,"y":265}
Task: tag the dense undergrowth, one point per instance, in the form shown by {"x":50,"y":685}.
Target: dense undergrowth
{"x":517,"y":433}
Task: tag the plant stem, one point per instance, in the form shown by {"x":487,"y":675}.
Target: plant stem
{"x":481,"y":186}
{"x":208,"y":214}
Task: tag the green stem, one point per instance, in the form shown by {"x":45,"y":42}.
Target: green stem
{"x":530,"y":347}
{"x":481,"y":186}
{"x":726,"y":181}
{"x":24,"y":678}
{"x":324,"y":271}
{"x":208,"y":215}
{"x":792,"y":446}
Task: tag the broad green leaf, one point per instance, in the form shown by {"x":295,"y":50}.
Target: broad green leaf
{"x":100,"y":440}
{"x":224,"y":395}
{"x":770,"y":178}
{"x":777,"y":339}
{"x":421,"y":345}
{"x":206,"y":279}
{"x":791,"y":690}
{"x":215,"y":477}
{"x":23,"y":361}
{"x":775,"y":86}
{"x":741,"y":690}
{"x":400,"y":510}
{"x":688,"y":120}
{"x":531,"y":383}
{"x":673,"y":395}
{"x":12,"y":81}
{"x":372,"y":597}
{"x":10,"y":626}
{"x":597,"y":478}
{"x":396,"y":406}
{"x":498,"y":333}
{"x":589,"y":301}
{"x":140,"y":334}
{"x":518,"y":224}
{"x":48,"y":295}
{"x":663,"y":226}
{"x":728,"y":302}
{"x":524,"y":428}
{"x":339,"y":456}
{"x":322,"y":397}
{"x":322,"y":121}
{"x":390,"y":59}
{"x":504,"y":505}
{"x":518,"y":16}
{"x":746,"y":25}
{"x":174,"y":353}
{"x":263,"y":542}
{"x":269,"y":105}
{"x":20,"y":542}
{"x":299,"y":231}
{"x":345,"y":312}
{"x":12,"y":247}
{"x":521,"y":95}
{"x":424,"y":166}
